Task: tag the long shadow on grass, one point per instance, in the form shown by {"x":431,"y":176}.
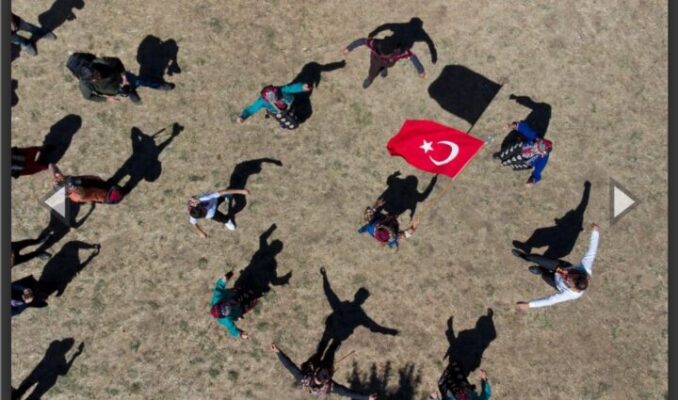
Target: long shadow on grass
{"x":346,"y":316}
{"x":261,"y":273}
{"x":239,"y":177}
{"x":59,"y":138}
{"x":310,"y":74}
{"x":60,"y":12}
{"x":402,"y":194}
{"x":49,"y":369}
{"x":378,"y":381}
{"x":55,"y":231}
{"x":538,"y":119}
{"x":144,"y":163}
{"x":408,"y":34}
{"x":561,"y":237}
{"x":467,"y":347}
{"x":63,"y":267}
{"x":157,"y":58}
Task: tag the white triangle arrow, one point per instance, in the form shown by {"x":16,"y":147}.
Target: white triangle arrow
{"x":57,"y":202}
{"x":622,"y":200}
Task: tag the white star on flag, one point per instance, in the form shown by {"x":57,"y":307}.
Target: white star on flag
{"x":426,"y":146}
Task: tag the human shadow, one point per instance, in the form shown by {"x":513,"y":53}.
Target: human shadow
{"x":310,"y":74}
{"x":463,"y":92}
{"x":59,"y":138}
{"x":379,"y":381}
{"x":157,"y":58}
{"x":402,"y":195}
{"x":57,"y":228}
{"x":15,"y":96}
{"x":48,"y":370}
{"x":538,"y":119}
{"x":60,"y":12}
{"x":144,"y":163}
{"x":466,"y":348}
{"x":63,"y":267}
{"x":239,"y":177}
{"x":561,"y":237}
{"x":257,"y":278}
{"x":407,"y":34}
{"x":346,"y":316}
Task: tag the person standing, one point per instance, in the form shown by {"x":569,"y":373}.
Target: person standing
{"x":456,"y":387}
{"x":277,"y":101}
{"x":225,"y":307}
{"x":385,"y":228}
{"x":86,"y":188}
{"x":569,"y":281}
{"x":318,"y":381}
{"x":207,"y":206}
{"x":17,"y":24}
{"x":531,"y":153}
{"x":384,"y":53}
{"x":105,"y":79}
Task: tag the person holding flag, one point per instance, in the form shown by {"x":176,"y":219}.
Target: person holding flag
{"x":384,"y":227}
{"x":531,"y":153}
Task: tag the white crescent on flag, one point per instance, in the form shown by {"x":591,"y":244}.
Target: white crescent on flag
{"x":454,"y":151}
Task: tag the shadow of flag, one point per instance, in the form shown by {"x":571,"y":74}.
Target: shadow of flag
{"x":463,"y":92}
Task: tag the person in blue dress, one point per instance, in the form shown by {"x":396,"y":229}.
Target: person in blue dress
{"x":530,"y":153}
{"x":384,"y":227}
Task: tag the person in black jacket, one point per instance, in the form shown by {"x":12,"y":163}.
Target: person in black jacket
{"x":317,"y":378}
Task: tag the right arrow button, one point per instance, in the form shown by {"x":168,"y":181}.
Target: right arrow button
{"x":621,"y":201}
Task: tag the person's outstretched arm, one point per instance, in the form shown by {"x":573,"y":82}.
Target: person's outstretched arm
{"x":418,"y":65}
{"x":554,"y":299}
{"x":295,"y":88}
{"x":590,"y":256}
{"x":354,"y":44}
{"x":539,"y":166}
{"x":524,"y":129}
{"x":375,"y":327}
{"x":252,"y":109}
{"x":431,"y":47}
{"x":288,"y":364}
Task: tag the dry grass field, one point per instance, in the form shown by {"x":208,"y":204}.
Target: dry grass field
{"x":141,"y":306}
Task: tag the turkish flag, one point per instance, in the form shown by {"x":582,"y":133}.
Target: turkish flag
{"x":433,"y":147}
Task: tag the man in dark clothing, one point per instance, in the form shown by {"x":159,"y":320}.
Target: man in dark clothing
{"x":18,"y":24}
{"x":107,"y":79}
{"x":318,"y":379}
{"x":384,"y":53}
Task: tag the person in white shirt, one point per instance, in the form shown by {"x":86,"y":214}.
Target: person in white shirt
{"x":206,"y":206}
{"x":569,"y":281}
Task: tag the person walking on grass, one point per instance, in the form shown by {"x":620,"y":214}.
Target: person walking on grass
{"x":105,"y":79}
{"x":531,"y":153}
{"x":206,"y":206}
{"x":569,"y":281}
{"x":317,"y":379}
{"x":385,"y":228}
{"x":17,"y":24}
{"x":226,"y":308}
{"x":454,"y":386}
{"x":277,"y":101}
{"x":86,"y":188}
{"x":384,"y":53}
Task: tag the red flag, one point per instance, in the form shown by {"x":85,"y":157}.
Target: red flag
{"x":433,"y":147}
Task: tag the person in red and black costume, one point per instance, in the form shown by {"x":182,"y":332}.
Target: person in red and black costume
{"x":384,"y":53}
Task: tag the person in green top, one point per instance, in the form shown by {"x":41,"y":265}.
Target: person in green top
{"x":106,"y":79}
{"x":225,"y":307}
{"x":277,"y":101}
{"x":454,"y":386}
